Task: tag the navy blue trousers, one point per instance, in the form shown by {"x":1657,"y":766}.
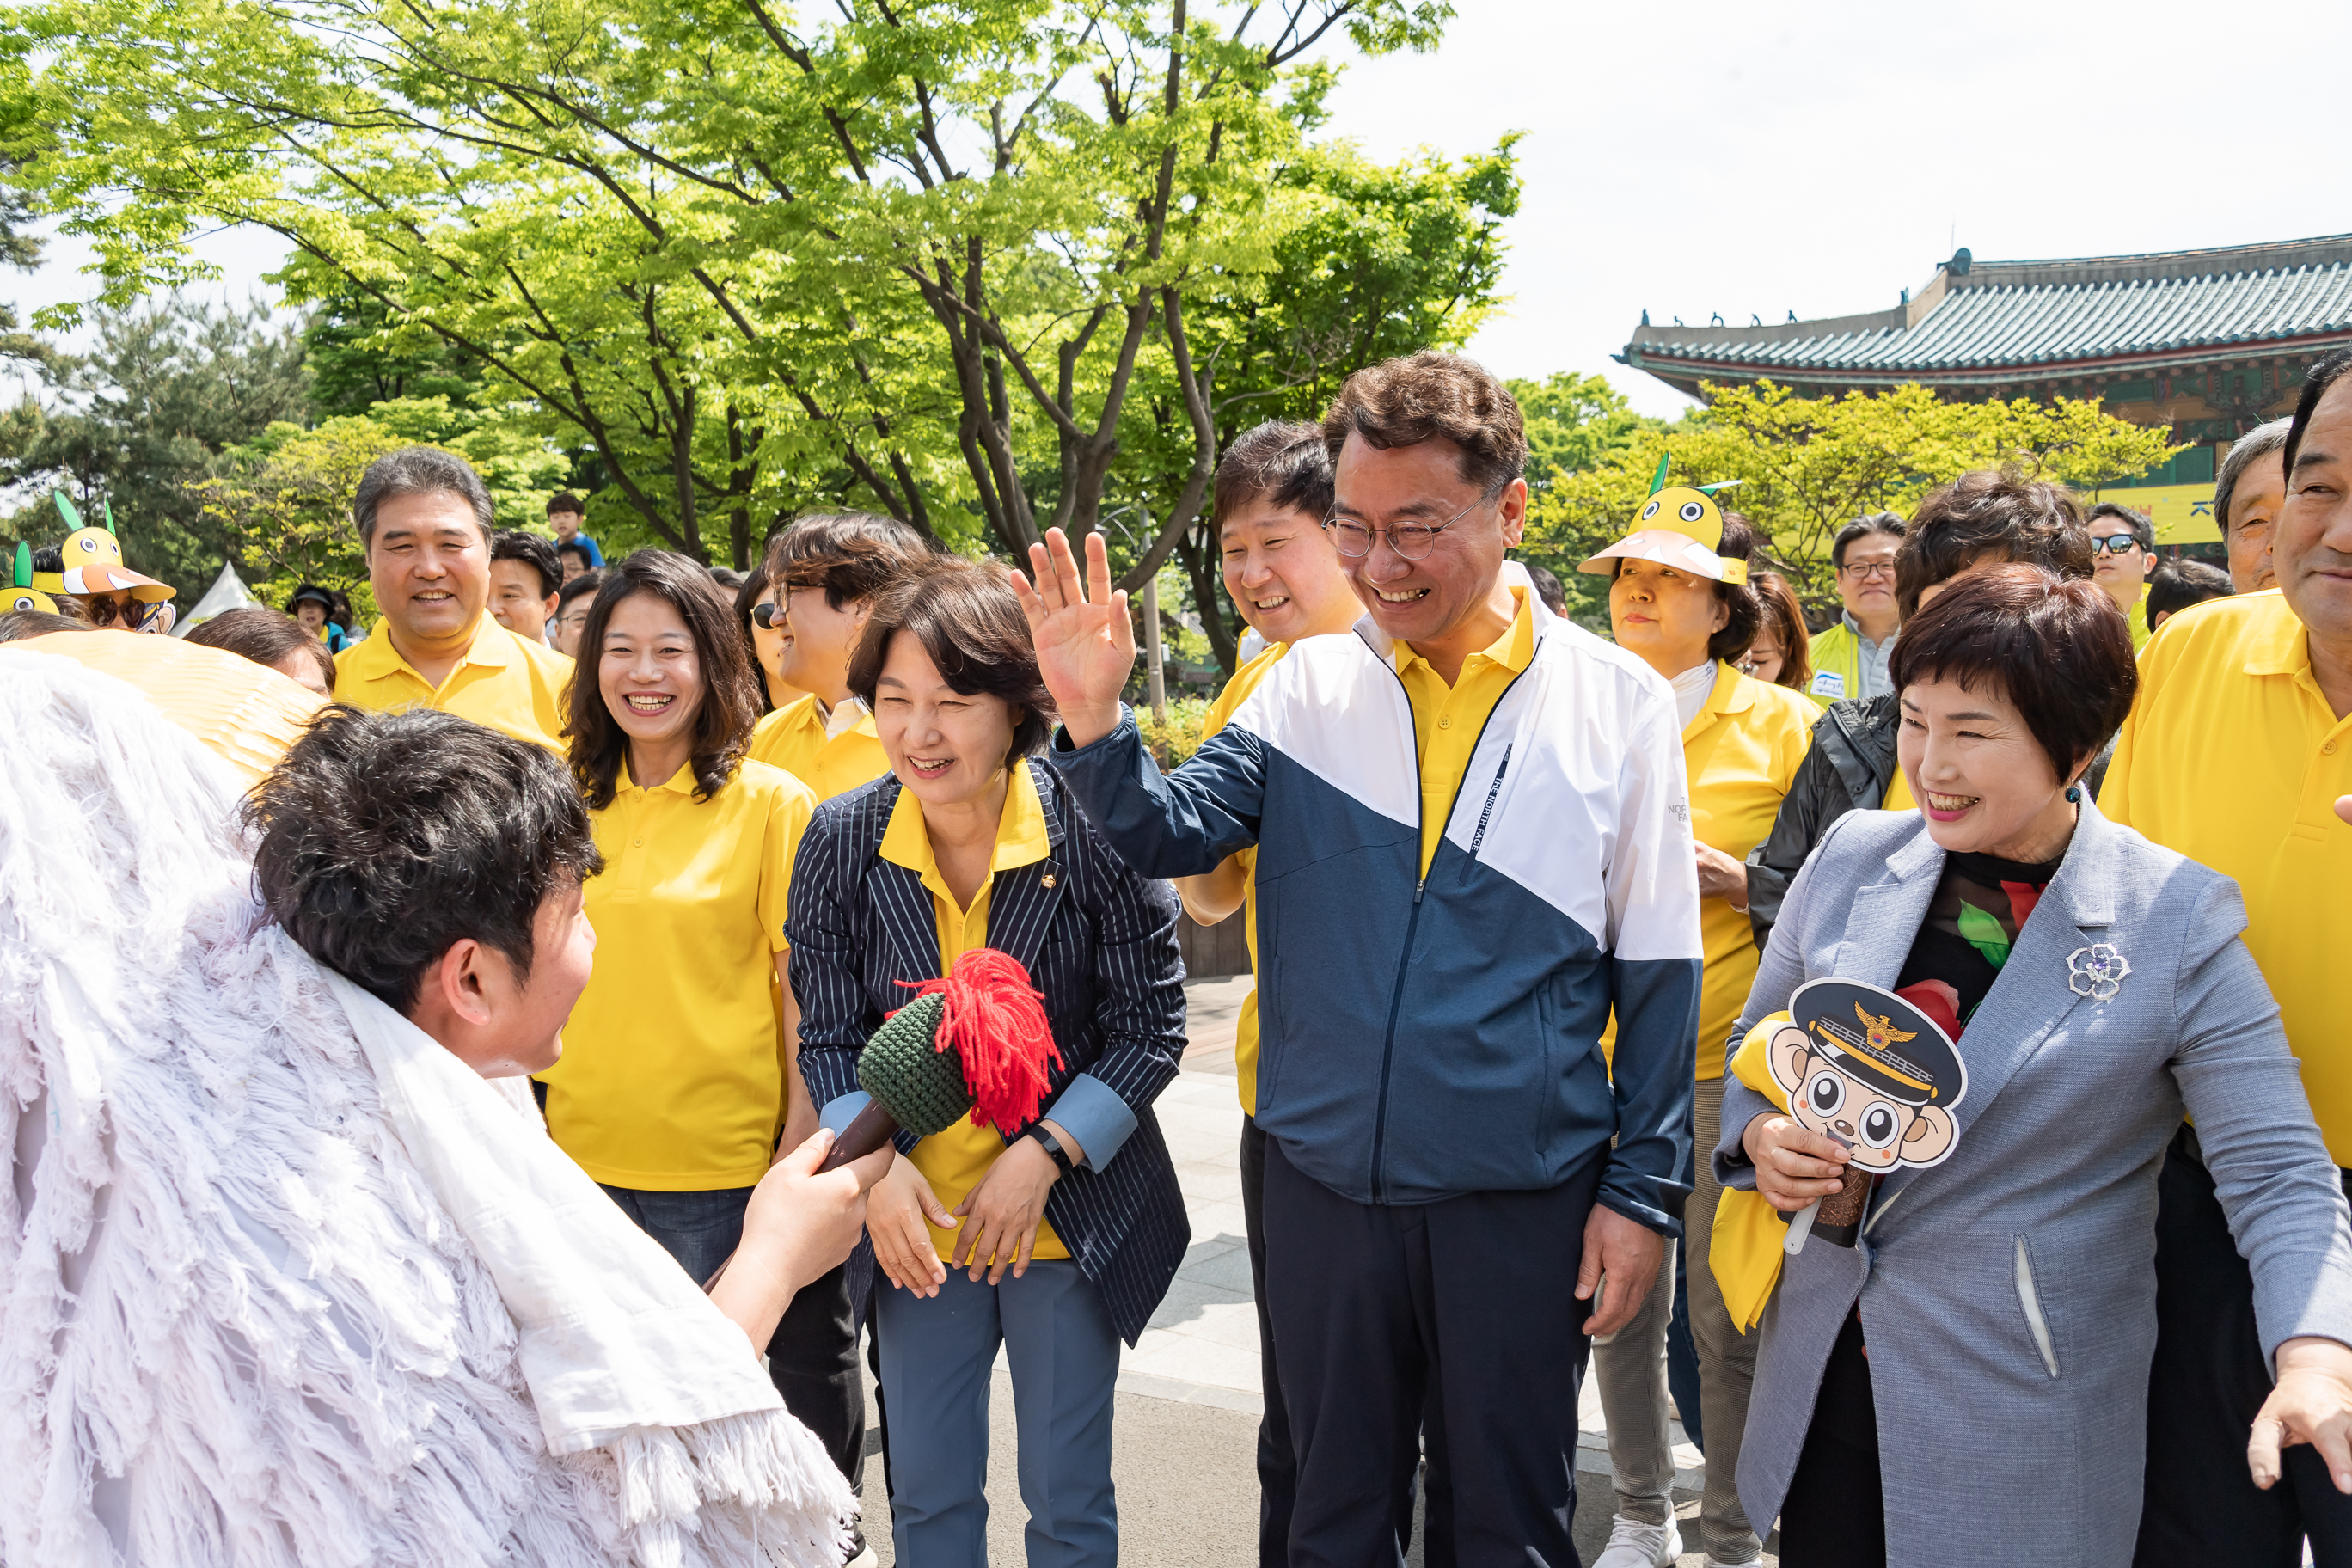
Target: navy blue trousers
{"x":1455,"y":1321}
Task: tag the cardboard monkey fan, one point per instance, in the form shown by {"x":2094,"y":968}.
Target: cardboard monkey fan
{"x":1866,"y":1068}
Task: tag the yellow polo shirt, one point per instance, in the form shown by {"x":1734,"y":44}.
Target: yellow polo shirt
{"x":1740,"y":750}
{"x":954,"y":1161}
{"x":521,"y":687}
{"x":792,"y":738}
{"x":2137,"y":619}
{"x":1237,"y":690}
{"x":1446,"y":720}
{"x":672,"y":1078}
{"x":2234,"y":758}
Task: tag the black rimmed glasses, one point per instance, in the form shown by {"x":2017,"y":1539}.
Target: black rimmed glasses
{"x":1411,"y":541}
{"x":2114,"y":544}
{"x":1862,"y":571}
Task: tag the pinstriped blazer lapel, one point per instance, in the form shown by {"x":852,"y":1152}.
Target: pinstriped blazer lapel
{"x":903,"y":906}
{"x":1020,"y":901}
{"x":1021,"y":905}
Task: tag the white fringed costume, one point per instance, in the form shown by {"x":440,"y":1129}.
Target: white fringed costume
{"x":284,"y":1282}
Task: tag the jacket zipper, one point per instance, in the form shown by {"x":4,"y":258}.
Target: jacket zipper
{"x":1412,"y":920}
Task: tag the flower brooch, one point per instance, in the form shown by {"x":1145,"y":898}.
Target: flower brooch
{"x":2096,"y":971}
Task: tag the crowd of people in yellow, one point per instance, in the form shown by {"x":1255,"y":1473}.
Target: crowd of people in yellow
{"x":2088,"y":810}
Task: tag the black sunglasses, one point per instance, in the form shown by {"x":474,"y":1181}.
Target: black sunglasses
{"x":2114,"y":544}
{"x":105,"y":610}
{"x":766,"y":614}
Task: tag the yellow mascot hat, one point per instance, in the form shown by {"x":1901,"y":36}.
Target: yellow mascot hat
{"x":1681,"y":528}
{"x":22,"y":594}
{"x":93,"y":561}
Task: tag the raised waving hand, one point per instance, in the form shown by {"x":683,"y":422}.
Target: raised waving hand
{"x":1086,"y":643}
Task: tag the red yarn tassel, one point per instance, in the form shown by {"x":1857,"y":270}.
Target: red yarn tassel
{"x":997,"y":1026}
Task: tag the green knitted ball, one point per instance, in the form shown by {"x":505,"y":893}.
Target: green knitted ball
{"x":902,"y":1067}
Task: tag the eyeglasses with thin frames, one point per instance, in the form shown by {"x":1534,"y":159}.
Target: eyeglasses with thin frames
{"x":779,"y":608}
{"x":1865,"y":569}
{"x":1411,"y":541}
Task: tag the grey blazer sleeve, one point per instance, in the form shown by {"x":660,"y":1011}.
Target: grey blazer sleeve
{"x":2272,"y":1172}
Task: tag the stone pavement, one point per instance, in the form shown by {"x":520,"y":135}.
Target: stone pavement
{"x":1189,"y":1396}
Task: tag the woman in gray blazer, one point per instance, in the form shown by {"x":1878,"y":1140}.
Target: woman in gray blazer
{"x":1966,"y":1382}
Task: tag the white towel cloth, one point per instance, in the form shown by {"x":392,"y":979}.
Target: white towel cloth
{"x":283,"y":1282}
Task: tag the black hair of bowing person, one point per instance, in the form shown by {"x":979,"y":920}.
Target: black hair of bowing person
{"x":437,"y":865}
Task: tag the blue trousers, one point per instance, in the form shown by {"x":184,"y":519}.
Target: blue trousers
{"x":936,"y":1359}
{"x":1452,"y":1322}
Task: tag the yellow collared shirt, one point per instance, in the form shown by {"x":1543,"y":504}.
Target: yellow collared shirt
{"x":1245,"y":680}
{"x":1446,"y":720}
{"x":2138,"y":620}
{"x":672,"y":1078}
{"x":2233,"y":757}
{"x":793,"y":738}
{"x":521,"y":687}
{"x":1740,"y":750}
{"x":954,"y":1161}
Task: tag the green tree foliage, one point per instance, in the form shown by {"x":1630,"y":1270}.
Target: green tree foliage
{"x":360,"y":357}
{"x":1573,"y":423}
{"x":1809,"y":466}
{"x":170,"y":387}
{"x":1387,"y":260}
{"x":917,"y":255}
{"x":284,"y":500}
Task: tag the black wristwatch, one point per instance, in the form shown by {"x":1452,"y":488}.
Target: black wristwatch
{"x":1053,"y":1145}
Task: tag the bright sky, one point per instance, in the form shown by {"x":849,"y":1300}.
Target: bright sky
{"x":1717,"y":157}
{"x":1711,"y":156}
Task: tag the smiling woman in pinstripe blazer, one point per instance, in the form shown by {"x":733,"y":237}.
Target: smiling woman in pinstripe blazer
{"x":1060,"y":1242}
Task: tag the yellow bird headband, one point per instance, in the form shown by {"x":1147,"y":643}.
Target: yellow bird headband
{"x":1679,"y":527}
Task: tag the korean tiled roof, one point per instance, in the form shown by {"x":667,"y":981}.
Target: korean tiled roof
{"x":2001,"y":318}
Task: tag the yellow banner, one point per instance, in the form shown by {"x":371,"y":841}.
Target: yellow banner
{"x":2183,"y":515}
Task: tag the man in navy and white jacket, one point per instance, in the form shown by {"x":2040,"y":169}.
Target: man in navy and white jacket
{"x":1473,"y":842}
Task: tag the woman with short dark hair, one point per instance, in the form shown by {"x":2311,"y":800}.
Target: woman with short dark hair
{"x":2077,"y":990}
{"x":827,"y":571}
{"x":1978,"y":521}
{"x":1058,"y":1242}
{"x":314,"y":608}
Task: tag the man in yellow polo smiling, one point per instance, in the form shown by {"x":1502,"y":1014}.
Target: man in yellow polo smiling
{"x":2235,"y":754}
{"x":425,"y":516}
